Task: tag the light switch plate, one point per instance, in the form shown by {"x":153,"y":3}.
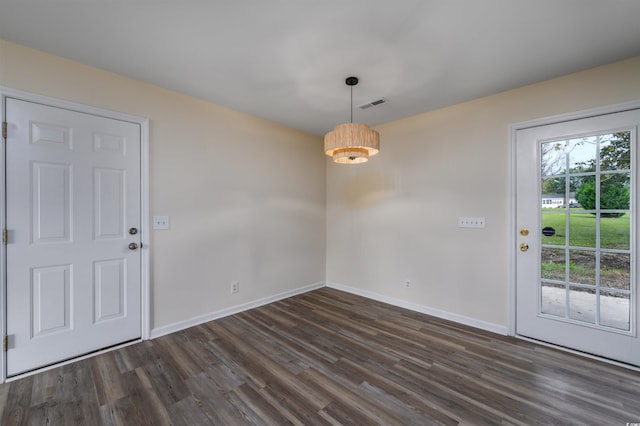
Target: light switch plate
{"x":160,"y":222}
{"x":471,"y":222}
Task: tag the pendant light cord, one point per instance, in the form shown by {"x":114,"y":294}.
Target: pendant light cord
{"x":352,"y":104}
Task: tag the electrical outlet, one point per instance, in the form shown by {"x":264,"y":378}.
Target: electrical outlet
{"x":235,"y":287}
{"x":471,"y":222}
{"x":160,"y":222}
{"x":407,"y":283}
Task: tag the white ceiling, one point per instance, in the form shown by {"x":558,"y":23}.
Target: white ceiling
{"x":286,"y":60}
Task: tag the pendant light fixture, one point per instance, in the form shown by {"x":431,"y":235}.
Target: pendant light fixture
{"x":351,"y":143}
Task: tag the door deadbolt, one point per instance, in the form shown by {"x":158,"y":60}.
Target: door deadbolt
{"x":524,"y":232}
{"x":133,"y":231}
{"x":133,"y":246}
{"x":524,"y":247}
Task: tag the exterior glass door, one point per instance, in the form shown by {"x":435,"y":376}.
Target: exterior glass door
{"x":585,"y":240}
{"x":576,"y":231}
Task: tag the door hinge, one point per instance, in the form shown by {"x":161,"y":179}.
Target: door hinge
{"x":6,"y":343}
{"x":5,"y":236}
{"x":4,"y":130}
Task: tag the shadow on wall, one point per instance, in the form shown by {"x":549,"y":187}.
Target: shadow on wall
{"x":366,"y":190}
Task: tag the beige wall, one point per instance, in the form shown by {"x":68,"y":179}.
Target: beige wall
{"x":395,"y":217}
{"x":246,"y":196}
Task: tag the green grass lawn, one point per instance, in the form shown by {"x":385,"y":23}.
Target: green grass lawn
{"x":614,"y":231}
{"x":614,"y":234}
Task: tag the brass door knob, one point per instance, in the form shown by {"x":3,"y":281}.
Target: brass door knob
{"x":524,"y":247}
{"x":524,"y":232}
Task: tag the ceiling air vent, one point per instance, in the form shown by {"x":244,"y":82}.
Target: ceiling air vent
{"x":377,"y":102}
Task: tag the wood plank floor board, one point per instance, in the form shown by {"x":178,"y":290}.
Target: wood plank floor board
{"x":263,"y":339}
{"x":327,"y":358}
{"x":213,"y":401}
{"x":349,"y":395}
{"x":268,"y":413}
{"x":434,"y":399}
{"x":541,"y":391}
{"x":555,"y":403}
{"x":18,"y":404}
{"x":165,"y":381}
{"x":200,"y":355}
{"x":424,"y":355}
{"x":47,"y":413}
{"x":224,"y":377}
{"x":404,"y":406}
{"x":246,"y":407}
{"x":173,"y":347}
{"x":141,"y":406}
{"x":189,"y":411}
{"x":393,"y":396}
{"x":305,"y":345}
{"x":428,"y":389}
{"x":268,"y":367}
{"x":135,"y":356}
{"x":246,"y":368}
{"x":302,"y":407}
{"x":109,"y":386}
{"x":47,"y":386}
{"x":288,"y":356}
{"x":480,"y":394}
{"x":342,"y":413}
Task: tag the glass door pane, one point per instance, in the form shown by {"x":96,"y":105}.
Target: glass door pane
{"x":585,"y":236}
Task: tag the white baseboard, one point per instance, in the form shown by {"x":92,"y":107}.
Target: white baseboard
{"x":171,"y":328}
{"x":483,"y":325}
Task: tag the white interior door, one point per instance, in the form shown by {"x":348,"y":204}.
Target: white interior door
{"x":72,"y":199}
{"x":577,"y":235}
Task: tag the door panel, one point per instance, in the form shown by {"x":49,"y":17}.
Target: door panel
{"x":51,"y":299}
{"x":109,"y":195}
{"x":73,"y":189}
{"x":50,"y":210}
{"x":576,"y":196}
{"x":109,"y":281}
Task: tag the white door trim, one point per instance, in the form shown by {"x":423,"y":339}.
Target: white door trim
{"x":513,"y":232}
{"x":145,"y":222}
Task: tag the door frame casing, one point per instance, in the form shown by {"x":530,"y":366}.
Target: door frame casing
{"x":145,"y":306}
{"x":513,"y":232}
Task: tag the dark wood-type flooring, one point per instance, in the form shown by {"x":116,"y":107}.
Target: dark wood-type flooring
{"x":327,"y":357}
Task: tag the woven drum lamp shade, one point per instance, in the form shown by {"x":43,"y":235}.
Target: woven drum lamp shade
{"x":351,"y":143}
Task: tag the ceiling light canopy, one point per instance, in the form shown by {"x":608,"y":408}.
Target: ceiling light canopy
{"x":351,"y":143}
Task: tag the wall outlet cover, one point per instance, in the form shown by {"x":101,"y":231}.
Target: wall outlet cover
{"x":160,"y":222}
